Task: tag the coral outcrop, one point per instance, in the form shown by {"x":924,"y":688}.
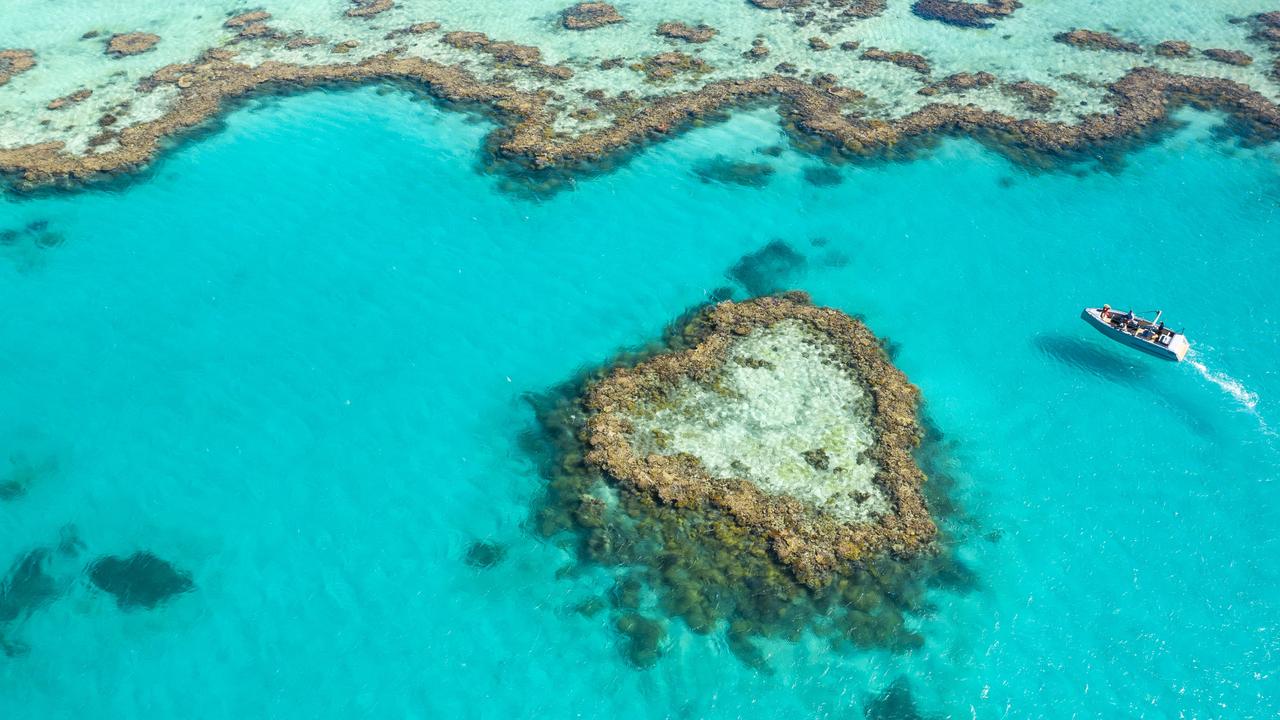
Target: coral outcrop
{"x":688,"y":33}
{"x":965,"y":14}
{"x":753,"y":475}
{"x":647,"y":431}
{"x":369,"y":8}
{"x":14,"y":62}
{"x":590,"y":15}
{"x":959,"y":82}
{"x":78,"y":96}
{"x":1097,"y":40}
{"x":1173,"y":48}
{"x":900,"y":58}
{"x":141,"y":580}
{"x":133,"y":43}
{"x":1034,"y":96}
{"x":1228,"y":57}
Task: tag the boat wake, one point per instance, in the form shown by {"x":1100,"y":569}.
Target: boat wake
{"x":1245,"y":398}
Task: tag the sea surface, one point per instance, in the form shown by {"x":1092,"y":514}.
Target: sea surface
{"x":293,"y":360}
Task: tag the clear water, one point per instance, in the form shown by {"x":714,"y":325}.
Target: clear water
{"x":292,"y":360}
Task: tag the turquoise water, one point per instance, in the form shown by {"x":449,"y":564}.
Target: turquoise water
{"x":293,"y":361}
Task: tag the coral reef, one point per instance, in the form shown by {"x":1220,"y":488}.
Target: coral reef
{"x":959,"y":82}
{"x":536,"y":149}
{"x":1228,"y":57}
{"x":369,"y":8}
{"x":141,"y":580}
{"x":667,"y":65}
{"x":1034,"y":96}
{"x":14,"y":62}
{"x":133,"y":43}
{"x":831,"y":15}
{"x":812,"y":541}
{"x":688,"y":33}
{"x":899,"y":58}
{"x":590,"y":15}
{"x":965,"y":14}
{"x":727,"y":171}
{"x":1097,"y":40}
{"x":1173,"y":48}
{"x":769,"y":269}
{"x":502,"y":51}
{"x":483,"y":555}
{"x":78,"y":96}
{"x":702,"y":547}
{"x":244,"y":19}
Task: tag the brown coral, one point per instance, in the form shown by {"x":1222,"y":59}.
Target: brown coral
{"x":14,"y":62}
{"x":965,"y":14}
{"x":133,"y":43}
{"x":688,"y":33}
{"x":590,"y":15}
{"x":808,"y":541}
{"x":899,"y":58}
{"x":959,"y":82}
{"x":1173,"y":48}
{"x":1034,"y":96}
{"x":1097,"y":40}
{"x":369,"y":8}
{"x":667,"y":65}
{"x":1228,"y":57}
{"x":246,"y":18}
{"x":78,"y":96}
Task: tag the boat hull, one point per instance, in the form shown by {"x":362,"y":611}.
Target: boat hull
{"x":1175,"y":351}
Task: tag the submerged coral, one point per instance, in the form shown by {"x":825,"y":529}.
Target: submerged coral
{"x":751,"y":476}
{"x":962,"y":13}
{"x":688,"y":33}
{"x":771,"y":268}
{"x":133,"y":43}
{"x":648,"y":430}
{"x":590,"y":15}
{"x":724,"y":170}
{"x":141,"y":580}
{"x":1097,"y":40}
{"x":15,"y":62}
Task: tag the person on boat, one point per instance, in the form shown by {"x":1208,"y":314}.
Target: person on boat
{"x":1106,"y":311}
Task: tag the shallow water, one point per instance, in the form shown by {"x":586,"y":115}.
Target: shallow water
{"x":291,"y":361}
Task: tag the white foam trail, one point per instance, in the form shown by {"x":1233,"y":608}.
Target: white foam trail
{"x":1246,"y":398}
{"x":1230,"y":385}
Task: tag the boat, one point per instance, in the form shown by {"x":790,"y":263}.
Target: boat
{"x":1149,"y":336}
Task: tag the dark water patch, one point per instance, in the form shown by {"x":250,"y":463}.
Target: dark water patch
{"x":727,"y":171}
{"x":590,"y":607}
{"x":643,"y":639}
{"x":835,"y":259}
{"x":26,"y":246}
{"x":27,"y":586}
{"x":69,"y":542}
{"x":1090,"y":358}
{"x":822,"y":176}
{"x":22,"y":472}
{"x":767,"y":270}
{"x":483,"y":555}
{"x":771,"y":151}
{"x":141,"y":580}
{"x":895,"y":703}
{"x":1128,"y":368}
{"x":721,"y":294}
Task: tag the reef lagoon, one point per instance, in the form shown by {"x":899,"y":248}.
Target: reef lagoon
{"x":290,"y":391}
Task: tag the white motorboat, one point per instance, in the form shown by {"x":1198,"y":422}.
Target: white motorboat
{"x":1149,"y":336}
